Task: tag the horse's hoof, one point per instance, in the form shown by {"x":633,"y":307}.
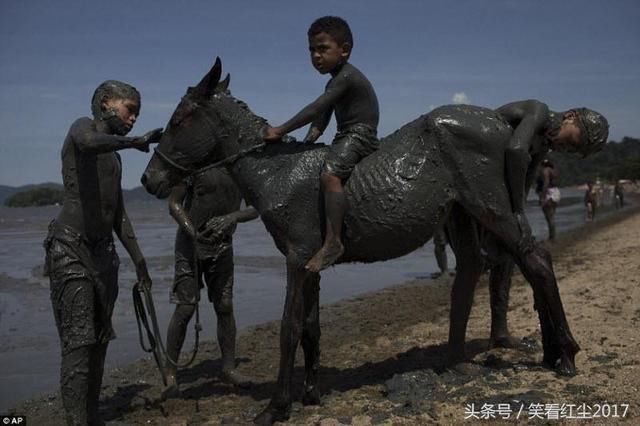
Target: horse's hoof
{"x":566,"y":366}
{"x":566,"y":370}
{"x":311,"y":397}
{"x":272,"y":414}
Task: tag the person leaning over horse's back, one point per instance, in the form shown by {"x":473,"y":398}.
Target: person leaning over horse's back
{"x":536,"y":131}
{"x":350,"y":94}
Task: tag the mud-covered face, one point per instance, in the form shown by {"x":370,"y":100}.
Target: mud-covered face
{"x":120,"y":114}
{"x":570,"y":135}
{"x":326,"y":53}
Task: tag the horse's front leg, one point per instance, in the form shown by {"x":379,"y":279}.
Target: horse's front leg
{"x":290,"y":333}
{"x":311,"y":339}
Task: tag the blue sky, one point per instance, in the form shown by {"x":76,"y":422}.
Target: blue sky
{"x":417,"y":54}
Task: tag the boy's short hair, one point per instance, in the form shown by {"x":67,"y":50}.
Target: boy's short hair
{"x":112,"y":89}
{"x":335,"y":26}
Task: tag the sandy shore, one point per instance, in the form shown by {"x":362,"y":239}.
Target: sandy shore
{"x":384,"y":355}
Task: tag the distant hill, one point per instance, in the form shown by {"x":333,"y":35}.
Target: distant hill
{"x":8,"y":191}
{"x":130,"y":195}
{"x":138,"y":194}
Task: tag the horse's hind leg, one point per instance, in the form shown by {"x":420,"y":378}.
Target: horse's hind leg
{"x":464,"y":240}
{"x":311,"y":339}
{"x":290,"y":333}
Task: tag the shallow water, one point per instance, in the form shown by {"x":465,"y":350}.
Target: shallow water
{"x":29,"y":357}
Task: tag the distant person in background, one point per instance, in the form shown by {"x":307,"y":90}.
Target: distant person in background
{"x":205,"y":251}
{"x":549,"y":195}
{"x":440,"y":251}
{"x":618,"y":195}
{"x":590,"y":201}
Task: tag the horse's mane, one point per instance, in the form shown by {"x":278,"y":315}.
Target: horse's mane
{"x":238,"y":112}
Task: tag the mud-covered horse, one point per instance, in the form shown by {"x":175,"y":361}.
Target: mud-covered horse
{"x":447,"y":165}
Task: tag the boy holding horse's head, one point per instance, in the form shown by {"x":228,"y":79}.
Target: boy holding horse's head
{"x":80,"y":253}
{"x":350,"y":95}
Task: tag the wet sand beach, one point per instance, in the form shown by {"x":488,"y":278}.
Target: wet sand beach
{"x":383,"y":355}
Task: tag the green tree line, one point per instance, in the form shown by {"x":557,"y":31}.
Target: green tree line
{"x":35,"y":197}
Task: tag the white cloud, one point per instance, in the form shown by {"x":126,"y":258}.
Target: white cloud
{"x":460,"y":98}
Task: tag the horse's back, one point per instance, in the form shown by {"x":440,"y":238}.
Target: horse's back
{"x":397,"y":196}
{"x":400,"y":194}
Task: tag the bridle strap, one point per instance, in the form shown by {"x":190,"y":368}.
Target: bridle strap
{"x":225,"y":161}
{"x":230,"y":159}
{"x":169,"y":161}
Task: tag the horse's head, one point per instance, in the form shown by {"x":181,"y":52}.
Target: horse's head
{"x":191,"y":138}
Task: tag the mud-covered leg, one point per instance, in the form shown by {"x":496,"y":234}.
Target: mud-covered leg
{"x":549,"y":211}
{"x":499,"y":287}
{"x":226,"y":329}
{"x":311,"y":339}
{"x":96,"y":371}
{"x":176,"y":334}
{"x":73,"y":306}
{"x":290,"y":333}
{"x":464,"y":240}
{"x":535,"y":263}
{"x":560,"y":347}
{"x":74,"y":384}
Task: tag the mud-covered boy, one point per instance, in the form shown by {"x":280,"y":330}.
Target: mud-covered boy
{"x":351,"y":97}
{"x":80,"y":254}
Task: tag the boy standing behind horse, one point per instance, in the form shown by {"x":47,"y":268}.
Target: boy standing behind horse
{"x":208,"y":197}
{"x":350,"y":94}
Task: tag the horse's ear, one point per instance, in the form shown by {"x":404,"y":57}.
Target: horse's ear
{"x":223,"y":86}
{"x":209,"y":82}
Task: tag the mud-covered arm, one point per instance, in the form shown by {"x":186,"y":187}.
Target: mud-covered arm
{"x":218,"y":226}
{"x":89,"y":140}
{"x":245,"y":215}
{"x":318,"y":126}
{"x":530,"y":117}
{"x":124,"y":230}
{"x":177,"y":211}
{"x":335,"y":89}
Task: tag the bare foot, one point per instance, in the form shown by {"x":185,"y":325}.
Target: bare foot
{"x":326,"y":256}
{"x":171,"y":392}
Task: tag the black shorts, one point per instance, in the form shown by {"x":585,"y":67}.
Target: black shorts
{"x":84,"y":286}
{"x":348,"y":148}
{"x":215,"y":265}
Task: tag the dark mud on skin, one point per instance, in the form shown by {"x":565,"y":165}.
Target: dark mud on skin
{"x":384,"y":354}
